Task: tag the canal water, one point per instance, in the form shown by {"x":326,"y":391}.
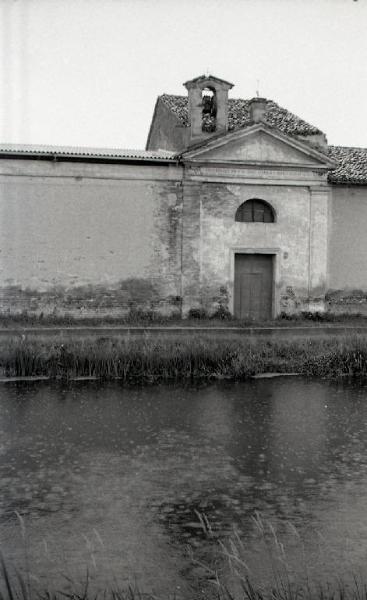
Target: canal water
{"x":168,"y":487}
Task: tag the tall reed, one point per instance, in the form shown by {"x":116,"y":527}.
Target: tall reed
{"x":240,"y":583}
{"x":161,"y":359}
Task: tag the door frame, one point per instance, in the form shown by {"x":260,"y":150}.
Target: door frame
{"x":275,"y":252}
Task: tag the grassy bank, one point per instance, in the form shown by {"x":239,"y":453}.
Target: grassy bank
{"x":158,"y":359}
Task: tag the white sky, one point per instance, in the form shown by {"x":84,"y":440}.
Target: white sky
{"x":87,"y":72}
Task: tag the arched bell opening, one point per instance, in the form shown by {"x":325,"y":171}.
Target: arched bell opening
{"x":209,"y":110}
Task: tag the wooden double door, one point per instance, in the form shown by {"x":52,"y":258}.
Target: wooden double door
{"x":253,"y":286}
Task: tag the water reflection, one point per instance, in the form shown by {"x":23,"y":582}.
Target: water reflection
{"x":123,"y":480}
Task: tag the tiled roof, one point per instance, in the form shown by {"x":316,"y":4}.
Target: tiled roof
{"x":239,"y":115}
{"x":352,"y":167}
{"x":84,"y":152}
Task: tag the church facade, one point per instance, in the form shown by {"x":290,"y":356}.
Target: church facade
{"x":235,"y":206}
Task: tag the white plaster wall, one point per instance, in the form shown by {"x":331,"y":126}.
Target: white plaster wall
{"x":348,"y":238}
{"x":63,"y":233}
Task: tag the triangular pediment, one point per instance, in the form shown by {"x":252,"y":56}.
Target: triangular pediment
{"x":258,"y":144}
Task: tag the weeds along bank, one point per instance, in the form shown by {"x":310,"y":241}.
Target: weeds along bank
{"x":195,"y":357}
{"x":280,"y":578}
{"x":195,"y":318}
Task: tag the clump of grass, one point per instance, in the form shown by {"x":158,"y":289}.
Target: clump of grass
{"x":13,"y":586}
{"x":279,"y":578}
{"x":321,"y":317}
{"x":284,"y":583}
{"x":160,"y":359}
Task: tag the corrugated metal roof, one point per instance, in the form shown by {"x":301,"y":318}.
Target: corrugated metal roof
{"x":84,"y":152}
{"x":352,"y":162}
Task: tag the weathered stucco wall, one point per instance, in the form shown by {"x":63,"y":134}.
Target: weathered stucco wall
{"x":89,"y":238}
{"x":211,"y":237}
{"x":348,"y":250}
{"x":259,"y":147}
{"x":86,"y":239}
{"x":167,"y":132}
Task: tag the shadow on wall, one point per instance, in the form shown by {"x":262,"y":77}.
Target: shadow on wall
{"x":126,"y":297}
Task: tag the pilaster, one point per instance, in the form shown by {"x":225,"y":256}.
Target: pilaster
{"x":318,"y":240}
{"x":191,"y":247}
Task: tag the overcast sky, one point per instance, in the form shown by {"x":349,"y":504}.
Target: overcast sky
{"x":87,"y":72}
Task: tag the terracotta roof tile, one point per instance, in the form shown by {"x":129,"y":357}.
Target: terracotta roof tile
{"x":239,"y":115}
{"x":352,"y":165}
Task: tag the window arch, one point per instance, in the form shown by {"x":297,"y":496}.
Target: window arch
{"x":255,"y":211}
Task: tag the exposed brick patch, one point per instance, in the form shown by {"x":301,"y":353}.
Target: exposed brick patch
{"x":90,"y":300}
{"x":346,"y":301}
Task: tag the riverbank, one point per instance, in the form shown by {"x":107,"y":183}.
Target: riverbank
{"x":155,"y":359}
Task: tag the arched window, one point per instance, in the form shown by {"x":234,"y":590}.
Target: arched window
{"x":209,"y":109}
{"x":255,"y":211}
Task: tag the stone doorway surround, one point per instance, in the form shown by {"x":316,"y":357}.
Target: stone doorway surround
{"x":276,"y":252}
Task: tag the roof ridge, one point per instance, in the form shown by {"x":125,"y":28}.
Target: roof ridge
{"x":72,"y":147}
{"x":347,"y":147}
{"x":175,"y":95}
